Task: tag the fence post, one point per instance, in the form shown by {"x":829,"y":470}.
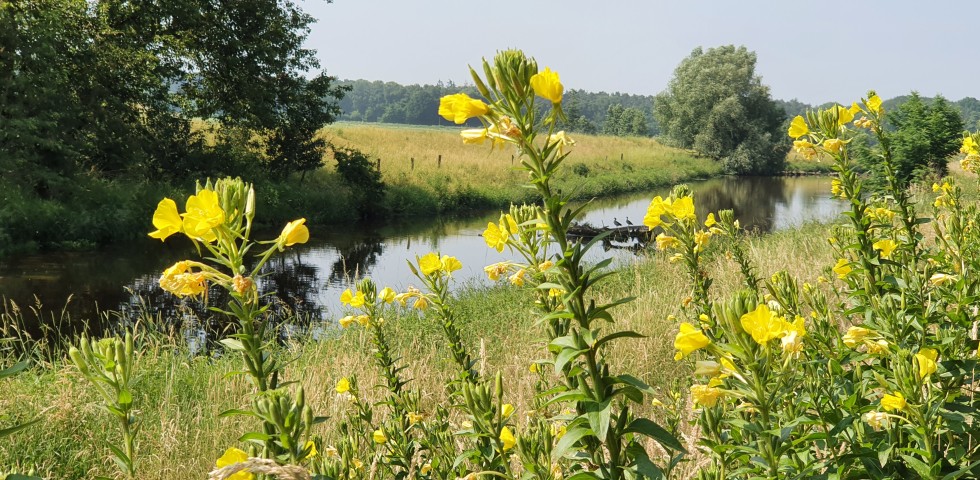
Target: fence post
{"x":512,"y":160}
{"x":439,"y":163}
{"x":620,"y":157}
{"x":413,"y":163}
{"x":379,"y":164}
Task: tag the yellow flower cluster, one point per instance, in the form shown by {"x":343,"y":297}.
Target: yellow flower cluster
{"x":430,"y":264}
{"x":498,"y":234}
{"x":203,"y":214}
{"x":689,"y":338}
{"x":857,"y":337}
{"x":679,"y":209}
{"x":765,"y":325}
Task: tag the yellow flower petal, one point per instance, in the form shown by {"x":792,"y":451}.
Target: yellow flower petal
{"x":507,"y":438}
{"x":166,"y":219}
{"x":547,"y":85}
{"x":798,"y":127}
{"x":460,"y":107}
{"x":430,"y":263}
{"x":688,"y":339}
{"x":294,"y":232}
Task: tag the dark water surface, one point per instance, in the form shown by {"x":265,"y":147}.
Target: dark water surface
{"x":308,"y":279}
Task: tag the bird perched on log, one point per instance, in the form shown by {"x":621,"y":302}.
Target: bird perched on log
{"x":628,"y":222}
{"x":616,"y":222}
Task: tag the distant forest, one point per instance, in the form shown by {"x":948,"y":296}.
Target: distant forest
{"x":617,"y":113}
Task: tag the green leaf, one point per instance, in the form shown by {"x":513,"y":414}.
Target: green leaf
{"x":236,"y":411}
{"x":567,"y":440}
{"x":636,"y":382}
{"x":125,"y":398}
{"x":14,"y":369}
{"x":121,"y":459}
{"x":963,"y":471}
{"x":232,"y":344}
{"x":644,"y":465}
{"x":16,"y":428}
{"x":598,"y":415}
{"x":919,"y":466}
{"x":613,"y":336}
{"x":255,"y":437}
{"x":565,"y":356}
{"x":645,"y":426}
{"x":584,"y":476}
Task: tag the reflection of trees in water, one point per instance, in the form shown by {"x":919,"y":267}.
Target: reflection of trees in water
{"x":289,"y":286}
{"x":356,"y":255}
{"x":754,"y":199}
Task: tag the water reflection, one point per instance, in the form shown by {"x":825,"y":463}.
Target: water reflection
{"x":306,"y":281}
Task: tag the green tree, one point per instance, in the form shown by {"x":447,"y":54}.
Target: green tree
{"x":925,"y":137}
{"x":716,"y":104}
{"x":625,"y":122}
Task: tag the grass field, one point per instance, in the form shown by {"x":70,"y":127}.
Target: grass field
{"x":476,"y":177}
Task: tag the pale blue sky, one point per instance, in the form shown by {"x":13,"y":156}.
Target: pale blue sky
{"x":814,"y":51}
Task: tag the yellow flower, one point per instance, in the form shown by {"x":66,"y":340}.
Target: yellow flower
{"x":426,"y":468}
{"x":942,"y":279}
{"x":166,"y":219}
{"x":969,"y":147}
{"x":331,"y":452}
{"x":450,"y":264}
{"x":346,"y":321}
{"x":518,"y":277}
{"x":658,"y":207}
{"x":833,"y":145}
{"x":689,"y":339}
{"x":180,"y":281}
{"x":495,"y":271}
{"x":495,"y":237}
{"x":926,"y":360}
{"x":855,"y":336}
{"x":666,"y":241}
{"x":710,"y":221}
{"x":876,"y":420}
{"x":413,"y":418}
{"x":343,"y":385}
{"x":798,"y":127}
{"x":683,"y":208}
{"x":507,"y":438}
{"x":842,"y":268}
{"x":460,"y":107}
{"x":422,"y":303}
{"x":762,"y":324}
{"x":886,"y":247}
{"x":364,"y":320}
{"x":562,"y":140}
{"x":701,"y":239}
{"x":379,"y":436}
{"x":706,"y":395}
{"x":352,"y":299}
{"x":234,"y":456}
{"x":474,"y":136}
{"x":545,"y":266}
{"x":792,"y":343}
{"x":877,"y":347}
{"x":844,"y":115}
{"x":430,"y":263}
{"x":312,"y":446}
{"x":203,"y":214}
{"x":387,"y":295}
{"x":506,"y":410}
{"x":893,"y":402}
{"x":533,"y":368}
{"x":294,"y":232}
{"x":547,"y":85}
{"x":874,"y":103}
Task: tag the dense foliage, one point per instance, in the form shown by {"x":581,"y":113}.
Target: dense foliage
{"x":390,"y":102}
{"x":717,"y":105}
{"x":93,"y":92}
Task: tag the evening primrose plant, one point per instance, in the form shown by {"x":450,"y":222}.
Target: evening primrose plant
{"x":218,"y":220}
{"x":602,"y":437}
{"x":867,"y":373}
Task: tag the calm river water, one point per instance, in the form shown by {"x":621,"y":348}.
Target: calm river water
{"x":308,"y":279}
